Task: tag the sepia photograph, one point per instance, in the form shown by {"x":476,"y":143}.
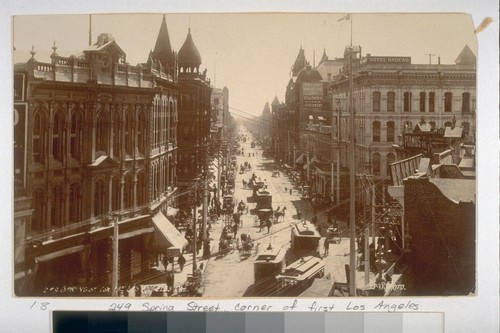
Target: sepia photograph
{"x":231,"y":155}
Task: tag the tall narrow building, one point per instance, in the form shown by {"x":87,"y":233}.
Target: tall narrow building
{"x":194,"y":118}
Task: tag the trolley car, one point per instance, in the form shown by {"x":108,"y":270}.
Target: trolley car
{"x":268,"y":263}
{"x":305,"y":239}
{"x":299,"y":275}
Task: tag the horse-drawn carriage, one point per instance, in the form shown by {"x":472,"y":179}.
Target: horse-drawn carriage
{"x":242,"y":208}
{"x":225,"y":242}
{"x":333,"y":234}
{"x":194,"y":285}
{"x":279,"y":214}
{"x":246,"y":245}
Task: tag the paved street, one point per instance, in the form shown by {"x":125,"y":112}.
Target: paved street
{"x":231,"y":275}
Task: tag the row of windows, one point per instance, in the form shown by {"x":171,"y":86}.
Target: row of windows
{"x":53,"y":142}
{"x":46,"y":142}
{"x":111,"y":133}
{"x":51,"y":206}
{"x":423,"y":97}
{"x":164,"y":122}
{"x":376,"y":162}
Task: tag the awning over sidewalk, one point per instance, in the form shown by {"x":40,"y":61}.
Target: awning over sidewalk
{"x":166,"y":233}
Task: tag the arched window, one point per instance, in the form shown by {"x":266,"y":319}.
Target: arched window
{"x":102,"y":133}
{"x":447,"y":102}
{"x":432,"y":96}
{"x":390,"y":101}
{"x":141,"y":189}
{"x":75,"y":203}
{"x":422,"y":101}
{"x":39,"y":128}
{"x":407,"y":101}
{"x":39,"y":210}
{"x":58,"y":137}
{"x":76,"y":135}
{"x":128,"y":191}
{"x":390,"y":158}
{"x":141,"y":133}
{"x":117,"y":135}
{"x":129,"y":133}
{"x":390,"y":131}
{"x":116,"y":196}
{"x":376,"y":101}
{"x":376,"y":164}
{"x":466,"y":102}
{"x":376,"y":131}
{"x":57,"y":206}
{"x":100,"y":197}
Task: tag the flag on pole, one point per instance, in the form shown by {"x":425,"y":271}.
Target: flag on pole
{"x":346,"y":17}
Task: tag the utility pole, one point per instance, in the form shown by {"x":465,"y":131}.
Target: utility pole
{"x":114,"y":280}
{"x":338,"y":152}
{"x":205,"y":202}
{"x":352,"y":180}
{"x":195,"y":236}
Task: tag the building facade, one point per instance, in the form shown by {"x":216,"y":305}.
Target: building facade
{"x":96,"y":149}
{"x":392,"y":96}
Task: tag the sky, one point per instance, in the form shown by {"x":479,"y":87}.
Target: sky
{"x":251,"y":54}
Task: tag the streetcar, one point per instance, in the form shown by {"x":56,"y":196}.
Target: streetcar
{"x":264,"y":200}
{"x":268,"y":263}
{"x":305,"y":239}
{"x":300,"y":275}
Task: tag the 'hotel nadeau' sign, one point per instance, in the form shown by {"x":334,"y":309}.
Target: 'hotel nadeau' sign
{"x":385,"y":60}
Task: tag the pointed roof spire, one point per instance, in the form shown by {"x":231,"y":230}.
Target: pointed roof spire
{"x":300,"y":62}
{"x":189,"y":56}
{"x":275,"y":101}
{"x":324,"y":57}
{"x":466,"y":57}
{"x":163,"y":50}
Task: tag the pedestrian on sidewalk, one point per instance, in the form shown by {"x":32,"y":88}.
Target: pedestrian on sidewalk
{"x":268,"y":225}
{"x":235,"y":229}
{"x":165,"y":262}
{"x":326,"y":245}
{"x":181,"y":261}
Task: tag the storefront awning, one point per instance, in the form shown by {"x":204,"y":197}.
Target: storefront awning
{"x":60,"y":253}
{"x":166,"y":233}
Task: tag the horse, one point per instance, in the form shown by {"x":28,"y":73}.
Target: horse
{"x":280,"y":214}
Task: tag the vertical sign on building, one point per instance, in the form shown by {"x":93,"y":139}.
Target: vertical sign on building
{"x":312,"y":95}
{"x":20,"y":120}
